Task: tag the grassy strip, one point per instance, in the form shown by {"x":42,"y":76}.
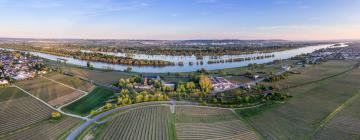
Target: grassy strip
{"x":91,"y":101}
{"x":172,"y":127}
{"x":250,"y":112}
{"x":328,"y":118}
{"x":245,"y":115}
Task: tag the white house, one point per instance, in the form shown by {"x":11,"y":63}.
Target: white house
{"x":4,"y":82}
{"x":286,"y":68}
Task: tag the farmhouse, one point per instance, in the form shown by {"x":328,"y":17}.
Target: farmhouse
{"x":155,"y":78}
{"x":220,"y":83}
{"x":286,"y":68}
{"x":171,"y":85}
{"x":4,"y":82}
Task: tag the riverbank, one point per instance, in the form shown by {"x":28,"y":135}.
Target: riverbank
{"x":187,"y":67}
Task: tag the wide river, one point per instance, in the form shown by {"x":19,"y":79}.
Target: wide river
{"x":186,"y":59}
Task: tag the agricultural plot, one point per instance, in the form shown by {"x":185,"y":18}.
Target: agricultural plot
{"x":191,"y":114}
{"x":49,"y":91}
{"x":19,"y":110}
{"x":345,"y":124}
{"x":71,"y":81}
{"x":147,"y":123}
{"x":316,"y":72}
{"x":201,"y":123}
{"x":105,"y":77}
{"x":9,"y":93}
{"x":311,"y":104}
{"x":93,"y":100}
{"x":45,"y":130}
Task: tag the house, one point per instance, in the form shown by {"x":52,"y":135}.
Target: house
{"x":286,"y":68}
{"x":171,"y":85}
{"x":256,"y":76}
{"x":220,"y":83}
{"x":142,"y":87}
{"x":155,"y":78}
{"x":42,"y":72}
{"x":4,"y":82}
{"x":246,"y":86}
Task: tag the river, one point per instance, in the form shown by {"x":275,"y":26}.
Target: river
{"x":186,"y":59}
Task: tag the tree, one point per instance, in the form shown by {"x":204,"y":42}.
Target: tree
{"x":124,"y":92}
{"x":128,"y":69}
{"x":190,"y":85}
{"x":108,"y":105}
{"x":205,"y":84}
{"x":122,"y":83}
{"x":55,"y":115}
{"x":88,"y":64}
{"x":93,"y":112}
{"x":146,"y":98}
{"x":139,"y":98}
{"x":180,"y":88}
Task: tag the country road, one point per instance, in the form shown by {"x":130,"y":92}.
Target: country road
{"x":81,"y":128}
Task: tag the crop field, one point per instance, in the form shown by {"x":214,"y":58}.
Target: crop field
{"x":49,"y":91}
{"x":200,"y":123}
{"x":316,"y":72}
{"x":71,"y":81}
{"x":19,"y":110}
{"x":310,"y":105}
{"x":9,"y":93}
{"x":147,"y":123}
{"x":189,"y":114}
{"x":105,"y":77}
{"x":345,"y":124}
{"x":94,"y":99}
{"x":45,"y":130}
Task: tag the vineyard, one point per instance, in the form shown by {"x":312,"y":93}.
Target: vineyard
{"x":49,"y":91}
{"x":201,"y":123}
{"x":20,"y":111}
{"x":71,"y":81}
{"x":310,"y":105}
{"x":345,"y":124}
{"x":6,"y":94}
{"x":45,"y":130}
{"x":146,"y":123}
{"x":192,"y":114}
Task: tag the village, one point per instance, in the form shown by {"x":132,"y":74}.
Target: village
{"x":15,"y":66}
{"x":333,"y":53}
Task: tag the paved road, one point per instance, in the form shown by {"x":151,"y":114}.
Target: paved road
{"x":81,"y":128}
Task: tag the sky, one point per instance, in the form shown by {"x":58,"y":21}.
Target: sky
{"x":181,"y":19}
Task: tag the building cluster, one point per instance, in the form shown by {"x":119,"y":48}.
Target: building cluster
{"x":341,"y":53}
{"x":220,"y":84}
{"x":146,"y":86}
{"x":17,"y":66}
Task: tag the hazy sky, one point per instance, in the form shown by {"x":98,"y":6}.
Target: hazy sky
{"x":181,"y":19}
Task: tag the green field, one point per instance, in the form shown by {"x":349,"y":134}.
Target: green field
{"x":311,"y":103}
{"x":93,"y":100}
